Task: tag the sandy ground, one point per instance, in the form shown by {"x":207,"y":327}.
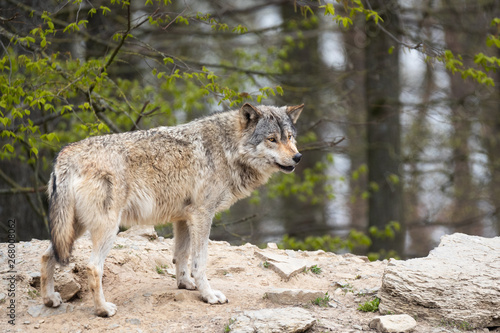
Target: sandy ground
{"x":148,"y":300}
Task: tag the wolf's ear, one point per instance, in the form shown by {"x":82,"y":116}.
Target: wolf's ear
{"x":249,"y":114}
{"x":294,"y":112}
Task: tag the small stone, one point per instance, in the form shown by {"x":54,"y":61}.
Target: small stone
{"x":2,"y":297}
{"x":37,"y":326}
{"x":285,"y":266}
{"x":67,"y":286}
{"x":133,"y":321}
{"x":147,"y":294}
{"x":272,"y":246}
{"x":27,"y":322}
{"x":332,"y":305}
{"x":393,"y":323}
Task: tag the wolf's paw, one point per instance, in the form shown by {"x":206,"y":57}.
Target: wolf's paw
{"x":216,"y":297}
{"x":108,"y":310}
{"x":186,"y":283}
{"x":53,"y":300}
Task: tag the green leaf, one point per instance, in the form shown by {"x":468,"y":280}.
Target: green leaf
{"x":329,"y":9}
{"x":8,"y":147}
{"x":105,"y":9}
{"x":167,"y":60}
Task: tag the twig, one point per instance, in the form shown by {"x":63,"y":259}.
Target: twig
{"x":413,"y":47}
{"x":135,"y":126}
{"x":172,"y":21}
{"x":23,"y":190}
{"x":321,"y":144}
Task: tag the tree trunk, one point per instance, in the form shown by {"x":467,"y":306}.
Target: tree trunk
{"x":354,"y":44}
{"x":464,"y":108}
{"x":383,"y":129}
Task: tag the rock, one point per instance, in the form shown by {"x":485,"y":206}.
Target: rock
{"x":457,"y":283}
{"x":41,"y":310}
{"x":67,"y":286}
{"x":273,"y":320}
{"x":393,"y":323}
{"x":293,"y":296}
{"x":285,"y":266}
{"x":133,"y":321}
{"x":140,"y":231}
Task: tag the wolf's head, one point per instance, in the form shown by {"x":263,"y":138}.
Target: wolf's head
{"x":270,"y":136}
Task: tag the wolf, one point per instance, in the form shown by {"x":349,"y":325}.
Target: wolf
{"x":182,"y":174}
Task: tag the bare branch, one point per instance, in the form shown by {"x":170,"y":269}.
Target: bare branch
{"x":321,"y":145}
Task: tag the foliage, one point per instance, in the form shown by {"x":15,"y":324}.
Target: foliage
{"x":383,"y":254}
{"x":389,"y":232}
{"x":304,"y":186}
{"x":160,"y":269}
{"x":315,"y":269}
{"x":355,"y":239}
{"x":227,"y":327}
{"x":322,"y":301}
{"x":370,"y":306}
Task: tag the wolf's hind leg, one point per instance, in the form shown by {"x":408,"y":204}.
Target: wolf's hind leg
{"x":200,"y":231}
{"x":181,"y":256}
{"x":50,"y":297}
{"x":102,"y":241}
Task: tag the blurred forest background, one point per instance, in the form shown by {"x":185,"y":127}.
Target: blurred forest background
{"x":400,"y":133}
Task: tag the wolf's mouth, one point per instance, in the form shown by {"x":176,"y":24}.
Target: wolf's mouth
{"x":285,"y":168}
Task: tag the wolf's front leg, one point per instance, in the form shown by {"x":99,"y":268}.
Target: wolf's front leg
{"x":200,"y":231}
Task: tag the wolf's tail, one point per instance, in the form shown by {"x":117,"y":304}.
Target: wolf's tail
{"x":61,"y":218}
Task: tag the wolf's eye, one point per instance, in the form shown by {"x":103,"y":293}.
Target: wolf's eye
{"x":271,"y":139}
{"x":289,"y":137}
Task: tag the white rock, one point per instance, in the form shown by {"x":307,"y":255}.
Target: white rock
{"x":393,"y":323}
{"x":285,"y":266}
{"x":140,"y":232}
{"x":293,"y":296}
{"x":287,"y":320}
{"x":458,"y":282}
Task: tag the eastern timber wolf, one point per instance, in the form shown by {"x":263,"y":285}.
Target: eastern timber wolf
{"x":183,"y":174}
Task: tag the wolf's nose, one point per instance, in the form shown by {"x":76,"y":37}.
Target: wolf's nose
{"x":297,"y":157}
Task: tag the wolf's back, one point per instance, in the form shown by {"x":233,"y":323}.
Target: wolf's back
{"x":61,"y":216}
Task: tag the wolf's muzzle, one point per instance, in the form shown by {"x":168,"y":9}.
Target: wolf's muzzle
{"x":297,"y":157}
